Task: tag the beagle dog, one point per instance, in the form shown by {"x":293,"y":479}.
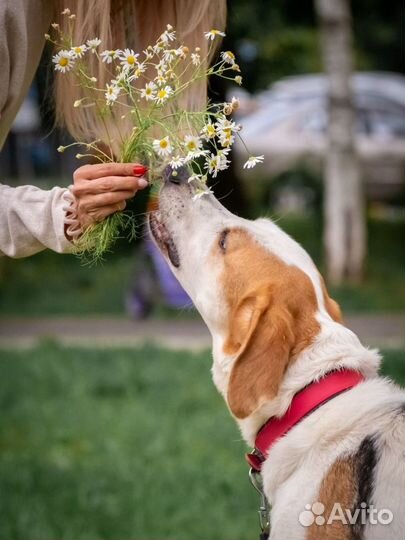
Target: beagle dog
{"x":336,"y":471}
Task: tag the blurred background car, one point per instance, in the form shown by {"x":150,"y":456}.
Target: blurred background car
{"x":288,"y":125}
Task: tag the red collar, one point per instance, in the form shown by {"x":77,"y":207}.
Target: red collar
{"x":307,"y":400}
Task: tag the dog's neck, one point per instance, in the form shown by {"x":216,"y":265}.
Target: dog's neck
{"x":335,"y":347}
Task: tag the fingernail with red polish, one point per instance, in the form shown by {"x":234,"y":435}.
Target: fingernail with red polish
{"x":140,"y":170}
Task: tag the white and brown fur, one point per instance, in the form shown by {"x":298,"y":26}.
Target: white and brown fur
{"x":274,"y":331}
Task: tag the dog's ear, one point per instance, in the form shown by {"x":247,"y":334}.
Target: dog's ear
{"x":261,"y":335}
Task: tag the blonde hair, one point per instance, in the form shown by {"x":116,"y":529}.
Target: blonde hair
{"x":134,"y":24}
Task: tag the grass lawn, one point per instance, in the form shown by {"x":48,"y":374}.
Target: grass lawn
{"x":48,"y":283}
{"x":121,"y":445}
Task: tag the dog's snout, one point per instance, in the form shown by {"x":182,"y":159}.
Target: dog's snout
{"x":175,"y":176}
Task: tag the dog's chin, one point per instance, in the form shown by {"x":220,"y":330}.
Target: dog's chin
{"x":163,"y":239}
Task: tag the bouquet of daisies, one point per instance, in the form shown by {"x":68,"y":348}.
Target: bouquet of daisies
{"x":148,"y":89}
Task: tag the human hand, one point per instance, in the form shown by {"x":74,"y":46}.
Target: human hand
{"x":101,"y":190}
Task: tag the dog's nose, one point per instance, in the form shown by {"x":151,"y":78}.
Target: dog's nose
{"x":175,"y":176}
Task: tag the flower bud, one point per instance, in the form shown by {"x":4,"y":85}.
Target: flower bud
{"x":61,"y":149}
{"x":235,"y":104}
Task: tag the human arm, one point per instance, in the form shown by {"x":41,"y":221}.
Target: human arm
{"x":32,"y":219}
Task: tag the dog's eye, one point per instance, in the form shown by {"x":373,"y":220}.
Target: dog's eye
{"x":222,"y":239}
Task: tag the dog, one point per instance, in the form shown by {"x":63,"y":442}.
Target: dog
{"x":338,"y":472}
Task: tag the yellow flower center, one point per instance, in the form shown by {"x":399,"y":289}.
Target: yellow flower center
{"x":191,"y":146}
{"x":78,"y":50}
{"x":63,"y":62}
{"x":131,"y":59}
{"x":163,"y":144}
{"x":162,"y":94}
{"x":148,"y":91}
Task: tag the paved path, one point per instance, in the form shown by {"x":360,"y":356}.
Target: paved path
{"x":374,"y":330}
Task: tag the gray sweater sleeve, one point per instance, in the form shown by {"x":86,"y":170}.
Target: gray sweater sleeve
{"x":32,"y":219}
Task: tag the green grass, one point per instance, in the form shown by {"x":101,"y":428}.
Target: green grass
{"x":129,"y":444}
{"x":48,"y":283}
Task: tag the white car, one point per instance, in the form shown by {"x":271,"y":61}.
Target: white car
{"x":290,"y":119}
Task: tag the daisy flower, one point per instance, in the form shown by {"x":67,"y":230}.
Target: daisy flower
{"x":79,"y":51}
{"x":160,"y":79}
{"x":162,"y":146}
{"x":192,"y":156}
{"x":201,"y":192}
{"x":129,"y":58}
{"x":195,"y":178}
{"x":253,"y":161}
{"x":195,"y":59}
{"x":137,"y":73}
{"x":192,"y":143}
{"x":216,"y":162}
{"x":163,"y":94}
{"x":109,"y":56}
{"x":63,"y":61}
{"x":148,"y":53}
{"x":122,"y":76}
{"x":181,"y":52}
{"x":228,"y":57}
{"x":176,"y":162}
{"x":111,"y":93}
{"x":168,"y":35}
{"x":227,"y":140}
{"x":212,"y":34}
{"x":225,"y":126}
{"x":92,"y":44}
{"x":209,"y":131}
{"x":168,"y":56}
{"x":148,"y":92}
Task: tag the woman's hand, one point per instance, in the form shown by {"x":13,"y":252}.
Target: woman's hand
{"x":101,"y":190}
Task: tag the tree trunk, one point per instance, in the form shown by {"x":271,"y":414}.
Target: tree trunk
{"x":345,"y":226}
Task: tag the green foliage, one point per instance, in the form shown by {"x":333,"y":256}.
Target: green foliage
{"x":285,"y":34}
{"x":129,"y":444}
{"x":291,"y":51}
{"x":59,"y":284}
{"x":50,"y":284}
{"x":133,"y":444}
